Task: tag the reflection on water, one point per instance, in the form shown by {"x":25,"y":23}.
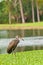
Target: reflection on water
{"x":24,"y":33}
{"x":28,"y":48}
{"x":29,"y":43}
{"x":33,"y":39}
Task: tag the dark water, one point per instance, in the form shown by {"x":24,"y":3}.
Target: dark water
{"x":5,"y":35}
{"x":28,"y":48}
{"x":23,"y":33}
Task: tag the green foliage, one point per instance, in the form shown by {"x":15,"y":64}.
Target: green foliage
{"x":22,"y":58}
{"x":3,"y":12}
{"x":8,"y":6}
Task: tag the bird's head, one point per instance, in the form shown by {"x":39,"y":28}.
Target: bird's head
{"x":19,"y":37}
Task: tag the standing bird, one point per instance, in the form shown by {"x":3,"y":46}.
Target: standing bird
{"x":12,"y":45}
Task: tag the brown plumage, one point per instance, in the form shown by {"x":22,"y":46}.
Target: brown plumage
{"x":12,"y":45}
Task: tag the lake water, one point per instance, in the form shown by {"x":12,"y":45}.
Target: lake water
{"x":23,"y":33}
{"x":33,"y":39}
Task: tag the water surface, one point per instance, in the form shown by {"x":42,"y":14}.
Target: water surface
{"x":33,"y":39}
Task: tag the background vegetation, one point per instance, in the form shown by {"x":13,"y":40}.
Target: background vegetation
{"x":21,"y":11}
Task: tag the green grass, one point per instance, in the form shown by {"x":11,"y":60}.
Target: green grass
{"x":25,"y":24}
{"x":22,"y":58}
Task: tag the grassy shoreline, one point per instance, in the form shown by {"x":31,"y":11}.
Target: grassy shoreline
{"x":22,"y":58}
{"x":37,"y":25}
{"x":24,"y":24}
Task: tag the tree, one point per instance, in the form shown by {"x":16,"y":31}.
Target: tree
{"x":33,"y":11}
{"x":21,"y":10}
{"x":3,"y":12}
{"x":38,"y":16}
{"x":9,"y":10}
{"x":40,"y":7}
{"x":6,"y":9}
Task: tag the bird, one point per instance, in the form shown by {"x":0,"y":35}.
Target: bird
{"x":13,"y":44}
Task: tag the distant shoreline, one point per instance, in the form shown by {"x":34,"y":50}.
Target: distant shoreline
{"x":36,"y":25}
{"x":20,"y":27}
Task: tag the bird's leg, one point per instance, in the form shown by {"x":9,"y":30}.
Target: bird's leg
{"x":15,"y":56}
{"x":12,"y":51}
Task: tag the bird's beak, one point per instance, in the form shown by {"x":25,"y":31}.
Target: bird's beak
{"x":22,"y":39}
